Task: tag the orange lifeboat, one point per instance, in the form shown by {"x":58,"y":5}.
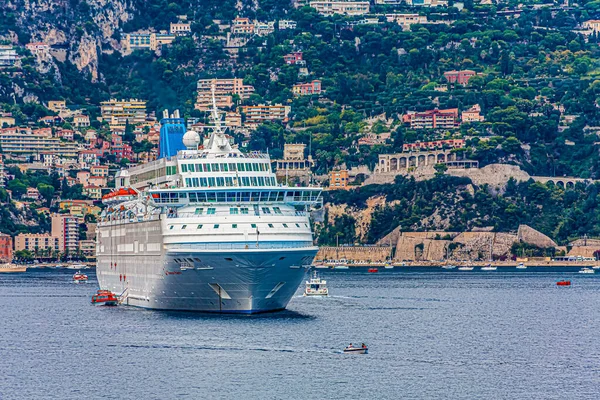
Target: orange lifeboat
{"x":373,"y":270}
{"x":563,"y":283}
{"x":105,"y":298}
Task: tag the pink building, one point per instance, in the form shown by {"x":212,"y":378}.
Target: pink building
{"x":303,"y":89}
{"x":460,"y":77}
{"x":293,"y":58}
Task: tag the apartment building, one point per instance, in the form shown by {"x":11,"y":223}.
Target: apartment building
{"x":341,"y":7}
{"x":66,"y":227}
{"x":433,"y":119}
{"x":37,"y":242}
{"x":8,"y":55}
{"x":287,"y":24}
{"x":6,"y":248}
{"x":118,"y":112}
{"x":6,"y":119}
{"x":433,"y":145}
{"x":338,"y":179}
{"x":148,"y":40}
{"x":255,"y":115}
{"x":24,"y":142}
{"x":242,"y":26}
{"x":180,"y":28}
{"x":224,"y":91}
{"x":81,"y":121}
{"x":79,"y":208}
{"x":99,"y":170}
{"x":473,"y":114}
{"x":294,"y":58}
{"x":406,"y":20}
{"x":460,"y":77}
{"x":305,"y":89}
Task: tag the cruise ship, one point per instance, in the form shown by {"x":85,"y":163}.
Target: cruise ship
{"x":207,"y":228}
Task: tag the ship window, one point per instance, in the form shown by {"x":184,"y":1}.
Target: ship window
{"x":220,"y":181}
{"x":306,"y":225}
{"x":245,"y":196}
{"x":211,"y":210}
{"x":211,"y":197}
{"x":243,"y":210}
{"x":253,"y":180}
{"x":215,"y":167}
{"x":285,"y":225}
{"x":183,"y":167}
{"x":199,"y":227}
{"x":188,"y":182}
{"x":198,"y":168}
{"x":195,"y":180}
{"x":261,"y":181}
{"x":240,"y":167}
{"x":203,"y":182}
{"x":234,"y":226}
{"x":280,"y":196}
{"x":185,"y":226}
{"x":211,"y":181}
{"x":270,"y":225}
{"x":266,"y":210}
{"x":232,"y":167}
{"x":216,"y":226}
{"x":220,"y":196}
{"x":231,"y":196}
{"x":297,"y":225}
{"x":228,"y":181}
{"x":233,"y":211}
{"x":206,"y":167}
{"x":199,"y":211}
{"x":225,"y":167}
{"x":255,"y":167}
{"x":170,"y":226}
{"x":248,"y":167}
{"x":253,"y":226}
{"x":245,"y":181}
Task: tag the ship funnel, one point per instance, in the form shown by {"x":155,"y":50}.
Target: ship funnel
{"x":176,"y":114}
{"x":165,"y":113}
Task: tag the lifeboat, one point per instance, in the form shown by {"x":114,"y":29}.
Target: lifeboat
{"x":119,"y":195}
{"x":105,"y":298}
{"x":372,"y":270}
{"x":563,"y":283}
{"x":80,"y":278}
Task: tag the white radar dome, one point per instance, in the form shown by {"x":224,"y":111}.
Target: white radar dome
{"x":191,"y":140}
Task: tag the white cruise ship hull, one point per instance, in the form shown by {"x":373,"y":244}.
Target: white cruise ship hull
{"x":192,"y":278}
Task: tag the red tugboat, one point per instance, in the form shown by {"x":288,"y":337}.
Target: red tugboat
{"x":80,"y":278}
{"x":105,"y":298}
{"x":563,"y":283}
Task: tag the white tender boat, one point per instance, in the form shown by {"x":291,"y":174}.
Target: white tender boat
{"x":356,"y":350}
{"x":521,"y":266}
{"x":587,"y":271}
{"x":316,"y":286}
{"x":465,"y":268}
{"x":448,"y":266}
{"x":489,"y":267}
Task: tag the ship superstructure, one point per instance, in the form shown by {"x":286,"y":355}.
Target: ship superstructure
{"x":207,"y":229}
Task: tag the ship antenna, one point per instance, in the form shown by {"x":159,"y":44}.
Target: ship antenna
{"x":217,"y":136}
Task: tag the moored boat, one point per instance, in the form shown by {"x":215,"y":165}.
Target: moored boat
{"x":465,"y":268}
{"x":563,"y":283}
{"x":80,"y":278}
{"x":316,"y":286}
{"x":521,"y":266}
{"x":587,"y":271}
{"x":489,"y":267}
{"x":372,"y":270}
{"x":10,"y":268}
{"x":105,"y":298}
{"x":448,"y":266}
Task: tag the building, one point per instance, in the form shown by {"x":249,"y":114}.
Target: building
{"x":38,"y":48}
{"x":433,"y":145}
{"x":287,"y":24}
{"x":242,"y":26}
{"x":147,"y":40}
{"x":66,"y":227}
{"x":338,"y":179}
{"x":39,"y":244}
{"x":6,"y":248}
{"x":294,"y":58}
{"x":6,"y":120}
{"x":329,"y":8}
{"x":92,"y":191}
{"x":432,"y":119}
{"x":264,"y":28}
{"x":8,"y":56}
{"x":460,"y":77}
{"x":99,"y":170}
{"x":303,"y":89}
{"x":255,"y":115}
{"x":472,"y":114}
{"x":172,"y":129}
{"x":180,"y":28}
{"x":79,"y":208}
{"x":119,"y":149}
{"x":592,"y":25}
{"x":87,"y":248}
{"x":2,"y":172}
{"x":119,"y":112}
{"x":81,"y":121}
{"x":24,"y":142}
{"x":225,"y":89}
{"x":294,"y":164}
{"x":32,"y":194}
{"x":87,"y":158}
{"x":57,"y":105}
{"x":99,"y":181}
{"x":406,"y":20}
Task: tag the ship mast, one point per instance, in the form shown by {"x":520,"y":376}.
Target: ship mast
{"x":218,"y":141}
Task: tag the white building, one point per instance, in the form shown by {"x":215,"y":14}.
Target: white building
{"x":341,"y":7}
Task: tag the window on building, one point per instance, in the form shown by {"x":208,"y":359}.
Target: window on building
{"x":211,"y":211}
{"x":277,"y":210}
{"x":285,"y":225}
{"x":270,"y":225}
{"x":216,"y":226}
{"x":266,"y":210}
{"x":253,"y":226}
{"x":199,"y":226}
{"x":183,"y":226}
{"x":233,"y":211}
{"x":234,"y":226}
{"x":244,"y":210}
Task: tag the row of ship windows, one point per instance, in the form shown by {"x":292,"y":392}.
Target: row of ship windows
{"x":230,"y":181}
{"x":236,"y":210}
{"x":235,"y":226}
{"x":226,"y":167}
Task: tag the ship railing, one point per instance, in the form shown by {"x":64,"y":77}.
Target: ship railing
{"x":242,"y":245}
{"x":227,"y":213}
{"x":253,"y":155}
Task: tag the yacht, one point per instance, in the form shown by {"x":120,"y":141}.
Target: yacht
{"x":205,"y":228}
{"x":316,"y":286}
{"x":466,"y":268}
{"x":586,"y":270}
{"x":489,"y":267}
{"x":521,"y":266}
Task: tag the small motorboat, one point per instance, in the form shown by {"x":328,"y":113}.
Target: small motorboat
{"x":105,"y":298}
{"x":341,"y":267}
{"x":316,"y":286}
{"x":521,"y":266}
{"x":596,"y":267}
{"x":448,"y":266}
{"x":465,"y":268}
{"x":489,"y":267}
{"x":372,"y":270}
{"x":356,"y":350}
{"x":80,"y":278}
{"x":587,"y":271}
{"x":563,"y":283}
{"x":388,"y":265}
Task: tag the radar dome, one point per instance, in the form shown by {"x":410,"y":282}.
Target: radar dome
{"x":191,"y":140}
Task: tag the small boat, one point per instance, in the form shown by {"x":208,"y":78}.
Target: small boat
{"x":448,"y":266}
{"x":80,"y":278}
{"x":356,"y":350}
{"x":489,"y":267}
{"x":388,"y":265}
{"x":105,"y":298}
{"x":587,"y":271}
{"x":596,"y":267}
{"x":9,"y":268}
{"x":341,"y":267}
{"x":465,"y":268}
{"x":77,"y":266}
{"x":563,"y":283}
{"x":320,"y":266}
{"x":316,"y":286}
{"x":521,"y":266}
{"x":372,"y":270}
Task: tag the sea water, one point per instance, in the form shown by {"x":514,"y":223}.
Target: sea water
{"x":432,"y":334}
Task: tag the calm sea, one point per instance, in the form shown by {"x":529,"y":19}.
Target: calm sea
{"x":432,"y":335}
